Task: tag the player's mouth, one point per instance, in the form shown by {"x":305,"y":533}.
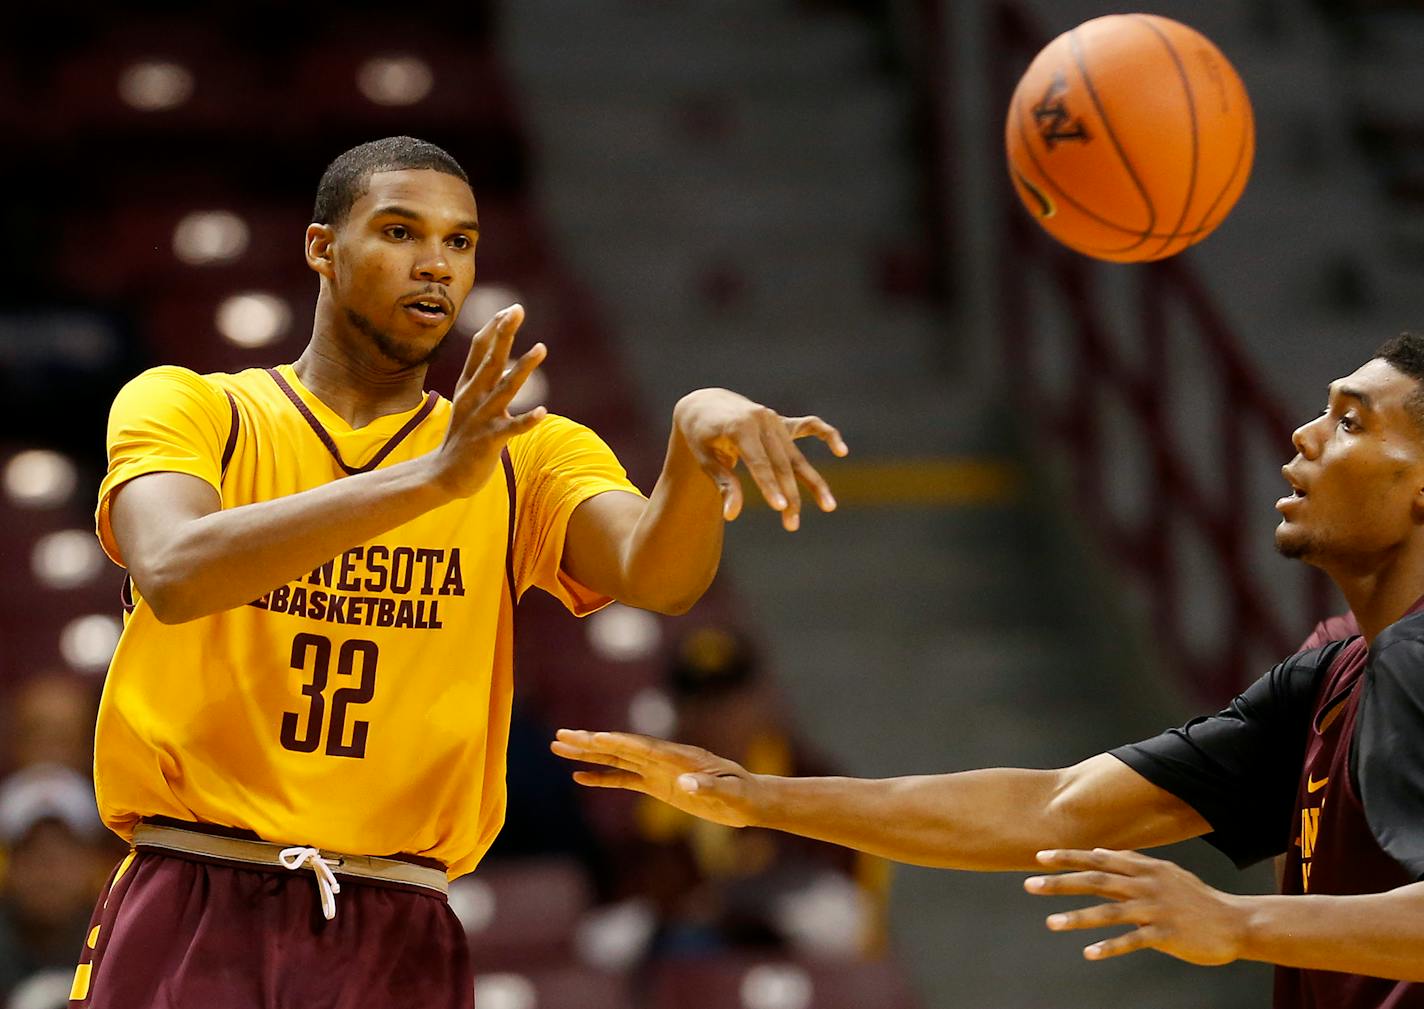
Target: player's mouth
{"x":427,"y":309}
{"x":1298,"y":492}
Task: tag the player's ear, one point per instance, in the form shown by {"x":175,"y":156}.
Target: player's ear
{"x":320,"y":239}
{"x":1416,"y":508}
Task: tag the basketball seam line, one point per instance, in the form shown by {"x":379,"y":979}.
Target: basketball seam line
{"x":1076,"y":49}
{"x":1247,"y":131}
{"x":1067,"y":198}
{"x":1192,"y":112}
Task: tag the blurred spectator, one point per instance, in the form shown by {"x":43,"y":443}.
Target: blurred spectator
{"x":717,"y":887}
{"x":52,"y":722}
{"x":55,"y":856}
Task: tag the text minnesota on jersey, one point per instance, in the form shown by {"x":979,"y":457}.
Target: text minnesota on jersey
{"x":330,"y":593}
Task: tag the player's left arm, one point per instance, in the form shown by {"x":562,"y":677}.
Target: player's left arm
{"x":662,"y":553}
{"x":1378,"y":934}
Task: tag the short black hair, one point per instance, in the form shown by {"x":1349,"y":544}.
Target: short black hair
{"x":345,"y":179}
{"x":1405,"y":353}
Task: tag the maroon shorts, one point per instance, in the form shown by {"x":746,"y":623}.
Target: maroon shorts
{"x":176,"y":932}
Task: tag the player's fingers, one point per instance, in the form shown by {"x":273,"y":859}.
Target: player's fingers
{"x":512,"y":427}
{"x":813,"y":480}
{"x":753,"y":454}
{"x":627,"y":746}
{"x":480,"y":345}
{"x":731,"y":489}
{"x":509,"y":384}
{"x":1143,"y":938}
{"x":645,"y":749}
{"x":524,"y":421}
{"x":622,"y":744}
{"x":612,"y":779}
{"x":774,"y":442}
{"x":1125,"y":862}
{"x":1116,"y":913}
{"x":727,"y":483}
{"x":569,"y":752}
{"x":1105,"y":884}
{"x":493,"y":367}
{"x":815,"y":427}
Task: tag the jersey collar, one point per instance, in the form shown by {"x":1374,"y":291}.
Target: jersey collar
{"x":317,"y":415}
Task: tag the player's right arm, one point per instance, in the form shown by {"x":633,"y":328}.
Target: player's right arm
{"x":992,"y":819}
{"x":1232,"y":775}
{"x":191,"y":557}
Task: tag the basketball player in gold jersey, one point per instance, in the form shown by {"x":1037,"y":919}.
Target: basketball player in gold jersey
{"x":303,"y":729}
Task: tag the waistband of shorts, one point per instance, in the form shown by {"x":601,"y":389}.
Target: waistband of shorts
{"x":209,"y":842}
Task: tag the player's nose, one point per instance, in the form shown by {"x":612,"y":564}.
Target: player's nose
{"x":432,"y":267}
{"x":1306,"y":438}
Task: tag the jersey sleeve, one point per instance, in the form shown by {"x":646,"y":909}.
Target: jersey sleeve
{"x":1240,"y":768}
{"x":557,"y":466}
{"x":167,"y":420}
{"x":1388,"y":752}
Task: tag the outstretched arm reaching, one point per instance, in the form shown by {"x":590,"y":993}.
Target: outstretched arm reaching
{"x":995,"y":819}
{"x":661,"y":554}
{"x":1004,"y":819}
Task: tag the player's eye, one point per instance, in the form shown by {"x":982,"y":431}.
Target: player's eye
{"x":399,"y":232}
{"x":461,"y":242}
{"x":1348,"y":423}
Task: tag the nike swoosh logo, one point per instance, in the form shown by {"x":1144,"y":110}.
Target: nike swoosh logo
{"x":1311,"y":785}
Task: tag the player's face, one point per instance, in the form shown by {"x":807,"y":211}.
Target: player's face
{"x":1357,"y":481}
{"x":404,"y":260}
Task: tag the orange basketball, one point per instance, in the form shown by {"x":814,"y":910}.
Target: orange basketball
{"x":1130,"y":137}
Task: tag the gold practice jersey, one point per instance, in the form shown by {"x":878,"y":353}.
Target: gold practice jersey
{"x":363,"y":707}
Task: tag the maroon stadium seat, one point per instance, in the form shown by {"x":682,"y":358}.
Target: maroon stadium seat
{"x":180,"y":327}
{"x":763,"y":983}
{"x":559,"y":987}
{"x":225,"y":92}
{"x":465,"y":90}
{"x":138,"y":255}
{"x":522,"y":912}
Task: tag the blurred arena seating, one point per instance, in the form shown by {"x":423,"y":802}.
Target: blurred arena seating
{"x":522,"y":914}
{"x":569,"y":985}
{"x":765,"y":983}
{"x":179,"y":157}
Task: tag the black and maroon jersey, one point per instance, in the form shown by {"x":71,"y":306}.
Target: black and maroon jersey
{"x":1322,"y":759}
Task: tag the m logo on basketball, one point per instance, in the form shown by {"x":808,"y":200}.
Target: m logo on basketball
{"x":1051,"y":113}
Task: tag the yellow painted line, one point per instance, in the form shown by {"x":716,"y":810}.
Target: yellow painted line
{"x":915,"y":483}
{"x":94,"y":937}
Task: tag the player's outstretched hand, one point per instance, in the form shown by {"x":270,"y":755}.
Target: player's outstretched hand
{"x":480,"y":423}
{"x":721,"y":427}
{"x":1175,"y":911}
{"x":686,"y":777}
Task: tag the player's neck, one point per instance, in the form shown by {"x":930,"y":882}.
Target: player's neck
{"x":354,"y":386}
{"x":1382,"y":594}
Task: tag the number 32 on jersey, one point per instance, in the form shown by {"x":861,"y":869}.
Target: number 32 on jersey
{"x":356,"y":676}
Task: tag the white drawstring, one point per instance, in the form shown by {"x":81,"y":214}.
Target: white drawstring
{"x":326,"y":882}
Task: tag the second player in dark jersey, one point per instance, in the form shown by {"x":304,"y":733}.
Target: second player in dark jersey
{"x":1321,"y":760}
